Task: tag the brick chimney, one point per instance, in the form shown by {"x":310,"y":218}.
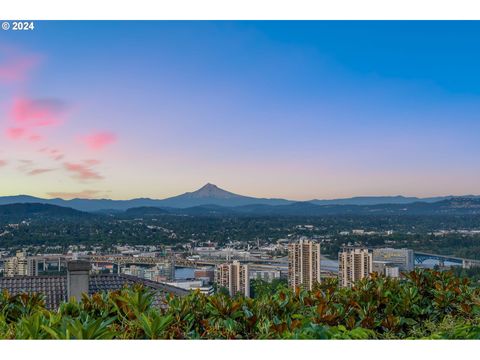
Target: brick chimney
{"x":77,"y":278}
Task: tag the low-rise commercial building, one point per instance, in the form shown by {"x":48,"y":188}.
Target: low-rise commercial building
{"x":265,"y":275}
{"x":386,"y":268}
{"x":205,"y":274}
{"x":21,"y":265}
{"x":402,"y":258}
{"x":162,"y":272}
{"x":193,"y":285}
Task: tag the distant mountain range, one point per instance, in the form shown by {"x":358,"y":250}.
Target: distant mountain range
{"x":212,"y":196}
{"x":29,"y":210}
{"x":453,"y":206}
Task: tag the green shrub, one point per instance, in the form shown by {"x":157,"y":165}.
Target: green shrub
{"x":426,"y":305}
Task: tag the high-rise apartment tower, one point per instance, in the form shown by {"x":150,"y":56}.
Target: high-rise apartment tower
{"x":234,"y":277}
{"x":303,"y":264}
{"x":354,"y":264}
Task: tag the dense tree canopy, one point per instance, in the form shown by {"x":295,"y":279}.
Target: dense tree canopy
{"x":413,"y":232}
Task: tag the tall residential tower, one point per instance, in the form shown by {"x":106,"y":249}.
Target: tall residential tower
{"x":234,"y":277}
{"x":353,"y":264}
{"x":303,"y":264}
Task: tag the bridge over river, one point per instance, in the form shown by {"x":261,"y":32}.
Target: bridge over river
{"x":421,"y":257}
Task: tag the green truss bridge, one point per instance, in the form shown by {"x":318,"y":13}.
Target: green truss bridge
{"x":421,"y":257}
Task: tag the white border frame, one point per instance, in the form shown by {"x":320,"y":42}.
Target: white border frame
{"x":239,"y":9}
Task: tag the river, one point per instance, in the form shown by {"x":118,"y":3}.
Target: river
{"x":189,"y":273}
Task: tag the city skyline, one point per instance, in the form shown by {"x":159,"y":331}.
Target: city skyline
{"x":266,"y":109}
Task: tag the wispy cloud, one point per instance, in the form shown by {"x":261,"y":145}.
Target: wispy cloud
{"x":82,"y":171}
{"x":99,"y":140}
{"x":28,"y":116}
{"x":39,"y":171}
{"x":25,"y":165}
{"x":34,"y":119}
{"x":37,"y":112}
{"x":52,"y":153}
{"x":15,"y":133}
{"x":35,"y":137}
{"x":85,"y":194}
{"x":15,"y":67}
{"x":30,"y":168}
{"x":92,"y":162}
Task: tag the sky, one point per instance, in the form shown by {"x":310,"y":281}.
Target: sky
{"x":290,"y":109}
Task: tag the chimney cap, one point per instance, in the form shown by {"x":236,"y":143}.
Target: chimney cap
{"x":78,"y":265}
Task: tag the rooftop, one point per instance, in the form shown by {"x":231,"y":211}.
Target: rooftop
{"x":54,"y":288}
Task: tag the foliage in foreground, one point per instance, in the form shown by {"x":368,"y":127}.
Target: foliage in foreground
{"x":428,"y":304}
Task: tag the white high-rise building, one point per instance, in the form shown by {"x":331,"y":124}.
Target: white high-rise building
{"x":303,"y":264}
{"x":354,"y":264}
{"x":234,"y":277}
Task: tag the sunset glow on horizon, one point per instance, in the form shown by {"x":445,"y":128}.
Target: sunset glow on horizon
{"x":297,"y":110}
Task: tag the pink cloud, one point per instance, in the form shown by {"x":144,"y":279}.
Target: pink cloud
{"x":82,"y":171}
{"x":15,"y":68}
{"x":92,"y":162}
{"x":54,"y":154}
{"x":27,"y":115}
{"x":85,"y":194}
{"x":100,"y":140}
{"x":3,"y":163}
{"x":37,"y":112}
{"x":38,"y":171}
{"x":16,"y":133}
{"x":49,"y":151}
{"x":29,"y":168}
{"x":35,"y":137}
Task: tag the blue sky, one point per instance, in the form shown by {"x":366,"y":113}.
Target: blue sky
{"x":291,"y":109}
